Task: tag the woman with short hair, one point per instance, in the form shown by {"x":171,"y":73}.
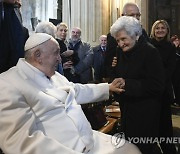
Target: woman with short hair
{"x":140,"y":67}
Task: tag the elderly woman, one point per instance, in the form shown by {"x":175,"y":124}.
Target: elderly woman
{"x":140,"y":68}
{"x":160,"y":38}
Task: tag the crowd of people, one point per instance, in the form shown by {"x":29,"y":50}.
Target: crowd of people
{"x":51,"y":76}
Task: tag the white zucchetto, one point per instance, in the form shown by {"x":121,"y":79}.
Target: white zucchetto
{"x":35,"y":40}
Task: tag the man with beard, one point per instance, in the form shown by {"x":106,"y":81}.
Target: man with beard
{"x":82,"y":71}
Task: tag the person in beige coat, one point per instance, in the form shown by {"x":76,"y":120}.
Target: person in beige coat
{"x":40,"y":111}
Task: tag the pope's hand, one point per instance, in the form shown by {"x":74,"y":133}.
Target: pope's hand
{"x":116,"y":85}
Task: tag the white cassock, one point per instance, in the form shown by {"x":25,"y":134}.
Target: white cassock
{"x":42,"y":116}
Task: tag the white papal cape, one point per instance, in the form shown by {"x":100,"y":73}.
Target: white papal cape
{"x":43,"y":116}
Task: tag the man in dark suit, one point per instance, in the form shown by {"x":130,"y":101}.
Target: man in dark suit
{"x":98,"y":60}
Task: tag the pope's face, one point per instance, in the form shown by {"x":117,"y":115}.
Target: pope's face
{"x":125,"y":42}
{"x":50,"y":57}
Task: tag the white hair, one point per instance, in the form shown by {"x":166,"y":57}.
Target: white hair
{"x":129,"y":24}
{"x":46,"y":27}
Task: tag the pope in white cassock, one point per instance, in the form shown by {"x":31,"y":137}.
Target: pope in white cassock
{"x":40,"y":111}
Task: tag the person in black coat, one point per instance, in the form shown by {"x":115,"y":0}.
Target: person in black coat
{"x":140,"y":68}
{"x":111,"y":50}
{"x":98,"y":59}
{"x":176,"y":75}
{"x":160,"y":38}
{"x":12,"y":35}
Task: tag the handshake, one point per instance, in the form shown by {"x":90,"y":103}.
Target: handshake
{"x":117,"y":85}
